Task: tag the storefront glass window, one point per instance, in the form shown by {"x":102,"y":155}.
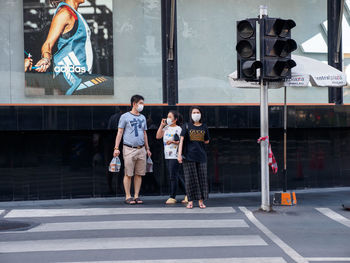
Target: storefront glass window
{"x":124,"y":57}
{"x":207,"y":40}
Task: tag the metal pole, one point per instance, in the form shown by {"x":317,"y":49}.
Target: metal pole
{"x":334,"y":39}
{"x":285,"y":142}
{"x":264,"y":131}
{"x":340,"y":30}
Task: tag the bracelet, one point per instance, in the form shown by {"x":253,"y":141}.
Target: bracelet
{"x":48,"y":52}
{"x":47,"y":61}
{"x":116,"y":148}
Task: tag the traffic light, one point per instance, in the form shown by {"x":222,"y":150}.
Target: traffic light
{"x":246,"y":50}
{"x":276,"y":47}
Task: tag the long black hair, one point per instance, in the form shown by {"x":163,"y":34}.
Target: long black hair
{"x":195,"y":108}
{"x":177,"y":117}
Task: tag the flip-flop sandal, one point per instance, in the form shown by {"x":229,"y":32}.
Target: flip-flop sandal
{"x":129,"y":201}
{"x":189,"y":206}
{"x":138,"y":201}
{"x":202,"y":206}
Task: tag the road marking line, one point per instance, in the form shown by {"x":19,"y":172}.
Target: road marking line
{"x":335,"y":216}
{"x":201,"y":260}
{"x":328,"y":259}
{"x":114,"y":211}
{"x":130,"y":242}
{"x":140,"y":224}
{"x":286,"y":248}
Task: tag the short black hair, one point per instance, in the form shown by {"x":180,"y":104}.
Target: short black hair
{"x":195,"y":108}
{"x":136,"y":98}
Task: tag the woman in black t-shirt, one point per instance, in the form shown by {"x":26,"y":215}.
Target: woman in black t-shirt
{"x":194,"y":136}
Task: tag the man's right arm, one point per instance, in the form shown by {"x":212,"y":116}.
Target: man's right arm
{"x":117,"y":142}
{"x":121,"y":126}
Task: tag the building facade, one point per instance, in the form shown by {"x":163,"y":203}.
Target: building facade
{"x":59,"y":146}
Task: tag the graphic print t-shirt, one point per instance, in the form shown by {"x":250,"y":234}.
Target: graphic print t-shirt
{"x":194,"y":139}
{"x":170,"y":151}
{"x":134,"y":126}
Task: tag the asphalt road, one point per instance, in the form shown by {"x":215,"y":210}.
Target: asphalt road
{"x":231,"y":229}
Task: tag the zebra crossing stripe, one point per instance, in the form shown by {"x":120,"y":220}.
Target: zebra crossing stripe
{"x":140,"y":224}
{"x":201,"y":260}
{"x":334,"y":216}
{"x":330,"y":259}
{"x":27,"y":213}
{"x":131,"y":242}
{"x":285,"y":247}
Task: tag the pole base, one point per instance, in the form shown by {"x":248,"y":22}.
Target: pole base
{"x":285,"y":198}
{"x":265,"y":208}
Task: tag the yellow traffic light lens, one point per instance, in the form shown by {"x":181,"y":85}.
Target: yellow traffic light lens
{"x":245,"y":49}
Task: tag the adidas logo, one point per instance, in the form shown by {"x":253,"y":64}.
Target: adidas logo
{"x":69,"y":65}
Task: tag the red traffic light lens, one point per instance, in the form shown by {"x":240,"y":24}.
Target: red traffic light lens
{"x":245,"y":29}
{"x":287,"y":26}
{"x":279,"y":27}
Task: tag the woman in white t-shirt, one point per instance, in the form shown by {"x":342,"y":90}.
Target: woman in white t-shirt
{"x":170,"y":131}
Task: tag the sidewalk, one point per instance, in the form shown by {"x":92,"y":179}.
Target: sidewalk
{"x":307,"y":197}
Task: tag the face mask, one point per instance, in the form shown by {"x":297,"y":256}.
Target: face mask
{"x":140,"y":107}
{"x":196,"y":117}
{"x":169,"y":121}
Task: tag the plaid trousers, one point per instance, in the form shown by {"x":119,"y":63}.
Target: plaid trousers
{"x":196,"y":180}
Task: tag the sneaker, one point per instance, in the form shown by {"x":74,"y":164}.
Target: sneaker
{"x":170,"y":201}
{"x":185,"y":200}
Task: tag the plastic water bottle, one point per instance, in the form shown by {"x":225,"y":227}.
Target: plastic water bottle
{"x":117,"y":165}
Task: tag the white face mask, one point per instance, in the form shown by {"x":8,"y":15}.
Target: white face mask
{"x":169,"y":121}
{"x":140,"y":107}
{"x":196,"y":117}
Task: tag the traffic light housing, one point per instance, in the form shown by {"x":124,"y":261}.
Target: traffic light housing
{"x":247,"y":63}
{"x":276,"y":47}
